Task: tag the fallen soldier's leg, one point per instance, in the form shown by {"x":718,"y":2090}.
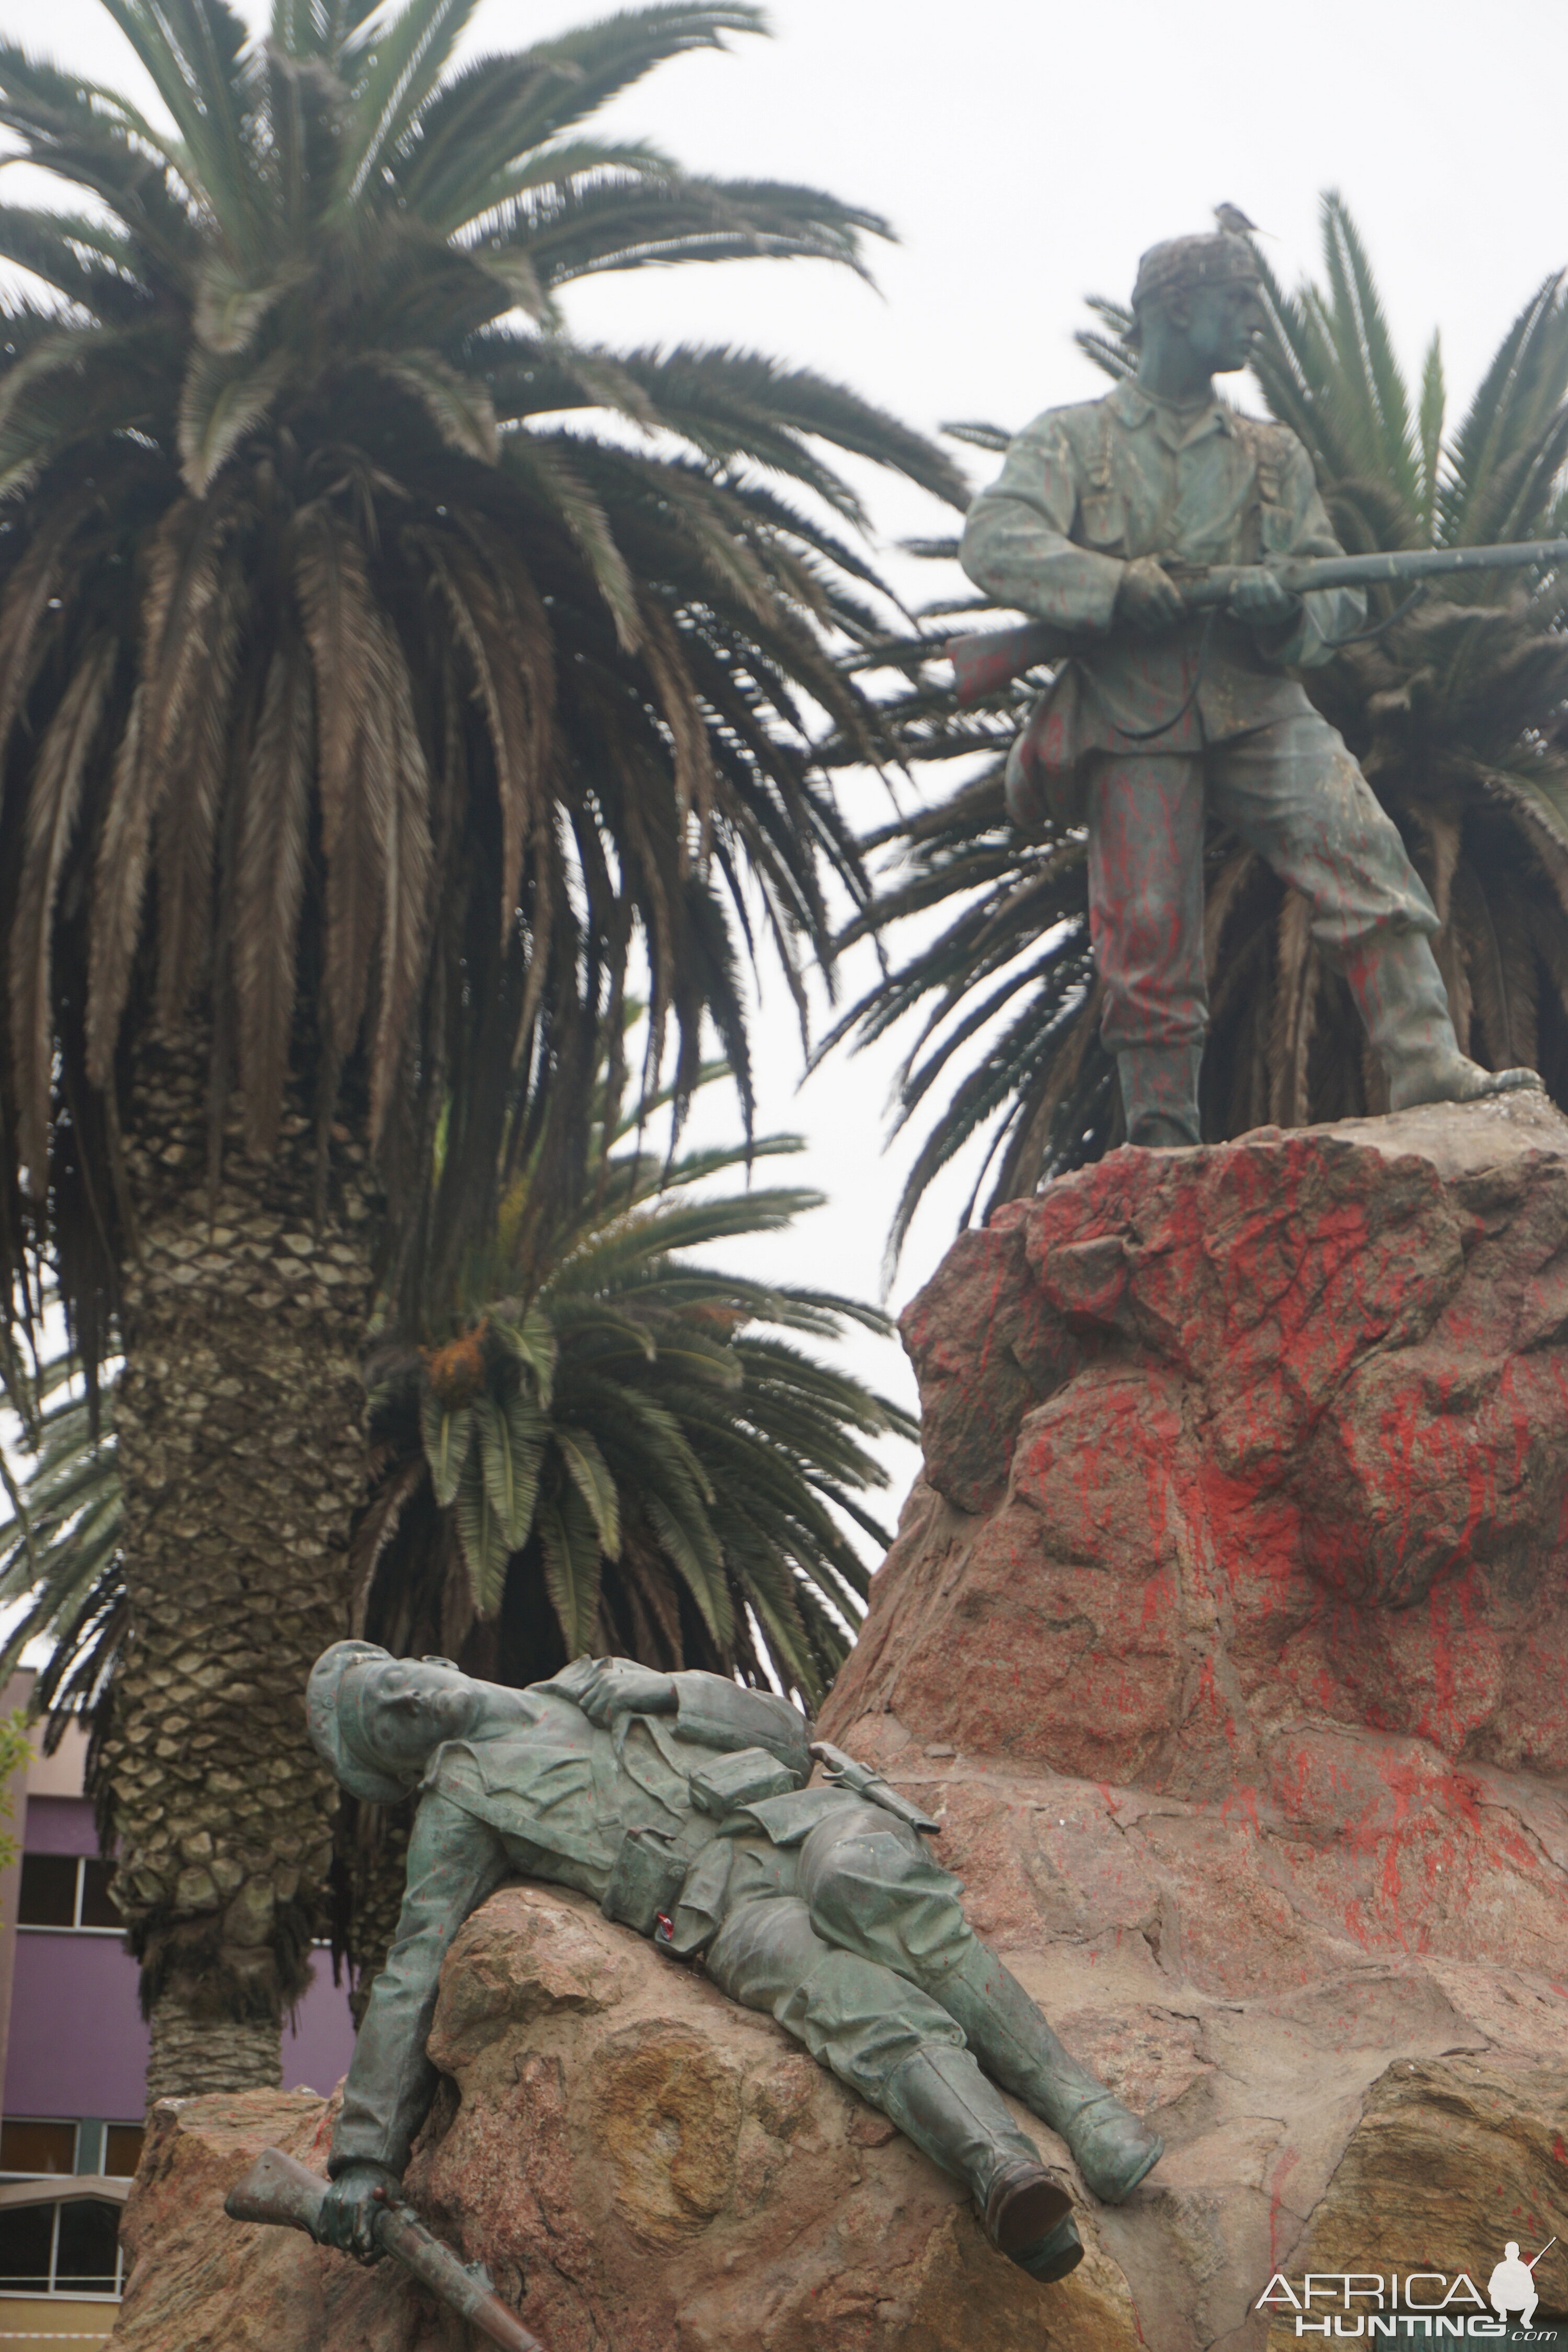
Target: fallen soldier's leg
{"x":874,"y":1889}
{"x":904,"y":2055}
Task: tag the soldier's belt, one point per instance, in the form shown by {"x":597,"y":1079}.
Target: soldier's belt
{"x":651,"y":1867}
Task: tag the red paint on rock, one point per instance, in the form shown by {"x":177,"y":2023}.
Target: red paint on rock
{"x":1265,"y":1450}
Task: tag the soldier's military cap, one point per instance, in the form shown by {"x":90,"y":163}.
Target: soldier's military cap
{"x":1185,"y":263}
{"x":332,"y":1714}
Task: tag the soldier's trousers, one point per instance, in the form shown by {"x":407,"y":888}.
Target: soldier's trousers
{"x":847,"y":1940}
{"x":1294,"y":794}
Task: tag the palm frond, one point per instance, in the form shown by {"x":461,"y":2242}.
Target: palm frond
{"x":663,"y":1397}
{"x":60,"y":1550}
{"x":369,"y":703}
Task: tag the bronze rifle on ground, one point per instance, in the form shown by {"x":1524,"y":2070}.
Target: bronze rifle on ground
{"x":277,"y":2189}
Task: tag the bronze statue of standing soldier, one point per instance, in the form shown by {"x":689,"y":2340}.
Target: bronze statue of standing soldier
{"x":1162,"y":716}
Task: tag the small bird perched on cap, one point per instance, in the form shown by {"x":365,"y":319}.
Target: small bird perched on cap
{"x":1234,"y":221}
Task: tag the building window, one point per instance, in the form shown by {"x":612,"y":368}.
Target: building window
{"x":32,"y":2148}
{"x":67,"y":1890}
{"x":121,"y":2151}
{"x":35,"y":2147}
{"x":67,"y":2248}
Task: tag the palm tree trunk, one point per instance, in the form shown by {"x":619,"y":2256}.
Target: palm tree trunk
{"x":241,"y":1451}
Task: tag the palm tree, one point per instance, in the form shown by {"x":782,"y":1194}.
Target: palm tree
{"x":383,"y":676}
{"x":632,"y":1454}
{"x":635,"y":1456}
{"x":1457,"y":711}
{"x":62,"y":1576}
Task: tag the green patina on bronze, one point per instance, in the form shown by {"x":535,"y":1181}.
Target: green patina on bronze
{"x":681,"y":1803}
{"x":1161,"y":713}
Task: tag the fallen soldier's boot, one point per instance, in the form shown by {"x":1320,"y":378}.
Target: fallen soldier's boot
{"x":1160,"y":1095}
{"x":1026,"y":2211}
{"x":940,"y":2099}
{"x":1016,"y":2047}
{"x":1112,"y":2150}
{"x":1055,"y":2255}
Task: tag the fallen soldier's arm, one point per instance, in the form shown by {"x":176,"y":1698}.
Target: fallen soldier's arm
{"x":454,"y":1863}
{"x":708,"y":1708}
{"x":720,"y":1714}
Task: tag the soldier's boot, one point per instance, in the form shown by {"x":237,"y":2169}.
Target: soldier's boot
{"x":1160,"y":1095}
{"x":1395,"y":981}
{"x":1055,"y":2255}
{"x":941,"y":2100}
{"x":1111,"y":2147}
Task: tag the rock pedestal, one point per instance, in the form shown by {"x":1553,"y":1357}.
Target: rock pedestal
{"x":1228,"y":1635}
{"x":641,"y":2165}
{"x":1228,"y":1631}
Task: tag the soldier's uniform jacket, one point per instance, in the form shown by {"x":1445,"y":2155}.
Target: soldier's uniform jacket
{"x":548,"y":1794}
{"x":1087,"y":489}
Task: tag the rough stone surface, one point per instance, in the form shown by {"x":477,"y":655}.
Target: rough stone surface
{"x":643,"y":2166}
{"x":1229,"y":1641}
{"x":1453,"y":2158}
{"x":1229,"y":1634}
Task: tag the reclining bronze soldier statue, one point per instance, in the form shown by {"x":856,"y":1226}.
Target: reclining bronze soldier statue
{"x":678,"y":1801}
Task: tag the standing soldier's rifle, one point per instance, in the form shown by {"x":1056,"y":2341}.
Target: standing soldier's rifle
{"x":985,"y":663}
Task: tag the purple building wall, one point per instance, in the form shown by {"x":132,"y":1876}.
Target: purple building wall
{"x":320,"y":2042}
{"x":60,"y":1825}
{"x":78,"y":2045}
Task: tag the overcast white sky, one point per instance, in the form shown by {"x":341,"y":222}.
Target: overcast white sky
{"x":1024,"y":154}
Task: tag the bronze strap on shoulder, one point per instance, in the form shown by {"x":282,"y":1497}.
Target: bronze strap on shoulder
{"x":1101,"y":477}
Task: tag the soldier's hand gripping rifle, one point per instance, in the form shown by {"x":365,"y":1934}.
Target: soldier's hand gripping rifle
{"x":277,"y":2189}
{"x":983,"y":664}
